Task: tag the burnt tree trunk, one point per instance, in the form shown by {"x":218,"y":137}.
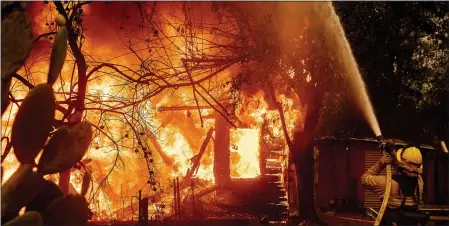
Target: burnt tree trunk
{"x":302,"y":156}
{"x":222,"y":172}
{"x":311,"y":94}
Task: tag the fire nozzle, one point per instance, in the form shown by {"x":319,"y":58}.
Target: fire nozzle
{"x":382,"y":143}
{"x":380,"y":138}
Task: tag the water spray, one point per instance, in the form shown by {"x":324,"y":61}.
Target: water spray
{"x":351,"y":69}
{"x":443,"y":147}
{"x":343,"y":50}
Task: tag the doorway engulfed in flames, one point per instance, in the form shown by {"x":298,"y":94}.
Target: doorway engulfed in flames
{"x":245,"y":153}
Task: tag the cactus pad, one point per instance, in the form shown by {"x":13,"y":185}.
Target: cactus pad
{"x":57,"y":143}
{"x":67,"y":210}
{"x":33,"y":123}
{"x":29,"y":219}
{"x":65,"y":149}
{"x":6,"y":83}
{"x":17,"y":40}
{"x":20,"y":189}
{"x":60,"y":20}
{"x":58,"y":55}
{"x":49,"y":192}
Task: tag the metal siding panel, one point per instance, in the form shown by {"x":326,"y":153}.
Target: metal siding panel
{"x":371,"y":157}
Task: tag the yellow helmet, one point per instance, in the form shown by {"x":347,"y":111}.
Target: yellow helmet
{"x":409,"y":155}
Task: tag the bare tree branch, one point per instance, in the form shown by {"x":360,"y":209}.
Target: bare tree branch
{"x":23,"y":80}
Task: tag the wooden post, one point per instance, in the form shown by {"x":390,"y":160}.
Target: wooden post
{"x":178,"y":198}
{"x":175,"y":199}
{"x":222,"y":171}
{"x":192,"y":187}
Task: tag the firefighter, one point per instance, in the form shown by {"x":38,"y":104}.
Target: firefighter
{"x":406,"y":185}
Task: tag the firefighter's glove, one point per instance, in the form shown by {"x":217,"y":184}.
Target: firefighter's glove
{"x":386,"y":159}
{"x":389,"y":146}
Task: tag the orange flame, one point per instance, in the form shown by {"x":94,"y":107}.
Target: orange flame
{"x":245,"y":153}
{"x":179,"y":137}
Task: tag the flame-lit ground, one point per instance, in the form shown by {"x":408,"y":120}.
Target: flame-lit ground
{"x":118,"y":170}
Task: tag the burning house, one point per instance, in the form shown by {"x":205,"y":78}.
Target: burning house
{"x":143,"y":137}
{"x":187,"y":110}
{"x":250,"y":164}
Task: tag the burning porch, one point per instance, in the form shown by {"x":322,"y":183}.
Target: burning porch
{"x":243,"y":172}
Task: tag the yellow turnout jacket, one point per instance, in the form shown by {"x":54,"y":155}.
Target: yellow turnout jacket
{"x":376,"y":183}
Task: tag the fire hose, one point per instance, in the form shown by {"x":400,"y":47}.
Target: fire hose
{"x":383,"y":207}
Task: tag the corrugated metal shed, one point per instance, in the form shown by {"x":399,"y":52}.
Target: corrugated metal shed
{"x":372,"y":155}
{"x":398,"y":142}
{"x":372,"y":200}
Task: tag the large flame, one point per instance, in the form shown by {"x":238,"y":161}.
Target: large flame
{"x":119,"y":169}
{"x":245,"y":153}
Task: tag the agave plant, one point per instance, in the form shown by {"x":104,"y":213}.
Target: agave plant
{"x":44,"y":202}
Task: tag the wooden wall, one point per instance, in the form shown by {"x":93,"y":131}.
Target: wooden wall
{"x":436,"y":177}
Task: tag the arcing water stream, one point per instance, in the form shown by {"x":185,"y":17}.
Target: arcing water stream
{"x":344,"y":52}
{"x":325,"y":22}
{"x":334,"y":31}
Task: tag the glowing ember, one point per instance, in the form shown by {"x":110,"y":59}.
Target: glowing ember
{"x":245,"y":153}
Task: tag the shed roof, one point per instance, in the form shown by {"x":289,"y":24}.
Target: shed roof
{"x":398,"y":142}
